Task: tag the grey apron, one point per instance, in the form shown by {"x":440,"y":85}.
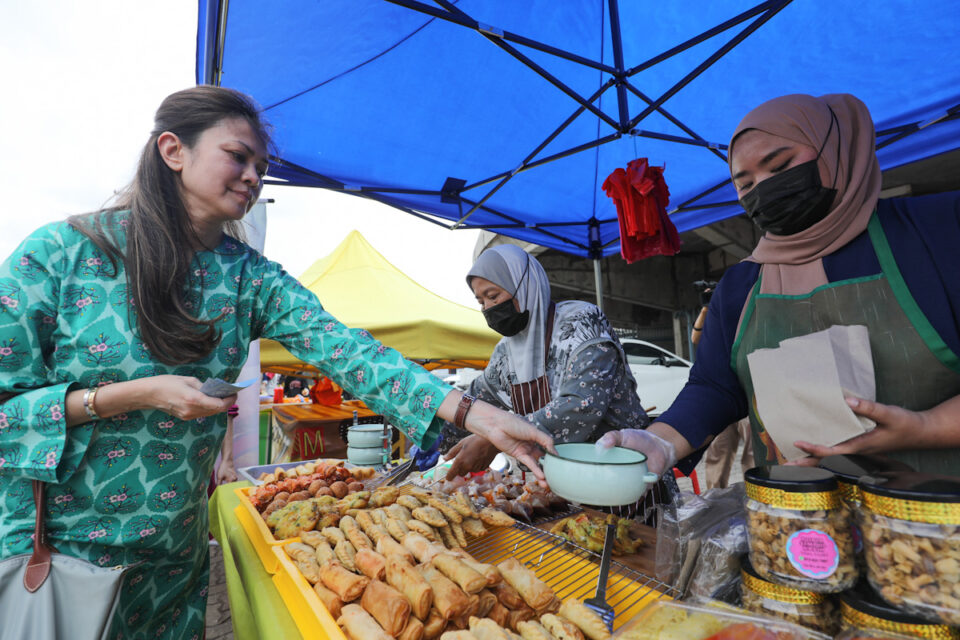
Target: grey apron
{"x":914,"y":368}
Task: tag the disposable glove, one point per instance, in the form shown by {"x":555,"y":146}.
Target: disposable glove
{"x":661,"y":454}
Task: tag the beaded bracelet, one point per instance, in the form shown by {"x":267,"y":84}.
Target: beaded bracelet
{"x":88,"y":403}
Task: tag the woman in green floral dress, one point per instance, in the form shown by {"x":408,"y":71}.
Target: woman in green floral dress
{"x":140,"y":303}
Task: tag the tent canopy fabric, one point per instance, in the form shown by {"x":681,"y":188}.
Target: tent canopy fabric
{"x":508,"y":115}
{"x":362,"y":289}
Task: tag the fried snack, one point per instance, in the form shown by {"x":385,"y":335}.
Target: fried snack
{"x":487,"y":629}
{"x":485,"y":601}
{"x":449,"y":512}
{"x":517,"y":616}
{"x":360,"y":625}
{"x":324,"y":554}
{"x":387,"y":606}
{"x":560,"y":628}
{"x":413,"y":630}
{"x":387,"y":546}
{"x":396,"y":528}
{"x":474,"y":527}
{"x":460,"y":634}
{"x":275,"y":504}
{"x":365,"y":521}
{"x":312,"y":538}
{"x":430,"y":515}
{"x":448,"y":598}
{"x":309,"y":568}
{"x":403,"y":577}
{"x":345,"y":555}
{"x":495,"y":518}
{"x":462,"y":504}
{"x":378,"y":516}
{"x":330,"y":600}
{"x":509,"y":596}
{"x":409,"y":502}
{"x":434,"y":625}
{"x":384,"y":496}
{"x":363,"y":473}
{"x":328,"y":520}
{"x":455,"y":569}
{"x":333,"y":535}
{"x":534,"y":591}
{"x":299,"y":551}
{"x":586,"y":619}
{"x":488,"y":571}
{"x":420,"y":547}
{"x":499,"y":614}
{"x":423,"y":529}
{"x":533,"y":630}
{"x":370,"y":563}
{"x":397,"y":511}
{"x":449,"y":540}
{"x":458,"y":533}
{"x":589,"y":533}
{"x":552,"y":607}
{"x":356,"y":500}
{"x":349,"y":586}
{"x":298,"y":516}
{"x":356,"y":537}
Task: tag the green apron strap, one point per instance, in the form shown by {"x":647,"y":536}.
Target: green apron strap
{"x":751,"y":304}
{"x":890,"y":269}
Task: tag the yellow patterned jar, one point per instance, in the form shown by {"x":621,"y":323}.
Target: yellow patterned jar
{"x":911,"y":535}
{"x":799,"y":529}
{"x":863,"y":610}
{"x":814,"y":610}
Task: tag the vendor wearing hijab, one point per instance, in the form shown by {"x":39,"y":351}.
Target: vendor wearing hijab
{"x":806,"y":172}
{"x":560,"y":365}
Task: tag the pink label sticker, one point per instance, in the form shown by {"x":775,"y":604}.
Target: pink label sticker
{"x":813,"y":553}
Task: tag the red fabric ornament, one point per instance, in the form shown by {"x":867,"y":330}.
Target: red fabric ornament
{"x":326,"y":392}
{"x":641,"y":197}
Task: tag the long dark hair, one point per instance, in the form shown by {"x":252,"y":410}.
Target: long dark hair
{"x":160,"y":238}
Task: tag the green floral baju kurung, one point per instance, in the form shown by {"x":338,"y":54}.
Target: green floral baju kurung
{"x":132,"y":488}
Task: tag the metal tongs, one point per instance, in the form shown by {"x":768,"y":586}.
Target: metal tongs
{"x":598,"y":603}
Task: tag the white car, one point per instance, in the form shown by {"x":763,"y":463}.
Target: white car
{"x":660,"y":374}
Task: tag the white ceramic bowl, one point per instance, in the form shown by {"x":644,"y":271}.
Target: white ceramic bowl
{"x":365,"y":436}
{"x":579,"y":473}
{"x":365,"y":457}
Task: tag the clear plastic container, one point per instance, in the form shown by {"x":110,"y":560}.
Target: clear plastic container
{"x":862,"y":611}
{"x":911,"y":532}
{"x":810,"y":609}
{"x":871,"y":634}
{"x":800,"y":531}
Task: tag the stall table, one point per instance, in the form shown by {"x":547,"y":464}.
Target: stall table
{"x":313,"y":430}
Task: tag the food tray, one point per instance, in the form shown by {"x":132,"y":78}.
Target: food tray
{"x":257,"y":530}
{"x":568,"y":569}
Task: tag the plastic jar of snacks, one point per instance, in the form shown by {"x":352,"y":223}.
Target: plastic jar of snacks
{"x":862,"y":610}
{"x":911,"y":535}
{"x":799,"y":529}
{"x":814,"y":610}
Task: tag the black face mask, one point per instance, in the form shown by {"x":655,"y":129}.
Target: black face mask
{"x":790,"y":201}
{"x":505,"y":319}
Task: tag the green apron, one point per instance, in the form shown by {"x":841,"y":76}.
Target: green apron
{"x":914,"y":368}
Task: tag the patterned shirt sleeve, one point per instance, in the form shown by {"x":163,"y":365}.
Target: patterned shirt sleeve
{"x":584,"y":395}
{"x":483,"y":387}
{"x":406,"y":393}
{"x":34,"y":440}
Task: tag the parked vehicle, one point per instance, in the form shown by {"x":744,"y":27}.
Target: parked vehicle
{"x":660,"y":374}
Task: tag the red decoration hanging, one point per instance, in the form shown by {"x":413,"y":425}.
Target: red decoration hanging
{"x":641,"y":197}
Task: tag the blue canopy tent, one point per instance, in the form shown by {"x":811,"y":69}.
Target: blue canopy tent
{"x":508,"y":115}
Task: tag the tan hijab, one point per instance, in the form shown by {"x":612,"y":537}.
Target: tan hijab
{"x":793,"y":265}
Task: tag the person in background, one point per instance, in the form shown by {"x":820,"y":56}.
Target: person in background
{"x":806,"y":172}
{"x":109,"y":322}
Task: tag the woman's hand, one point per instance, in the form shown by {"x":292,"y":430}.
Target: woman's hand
{"x":512,"y":435}
{"x":473,"y":453}
{"x":896,"y":429}
{"x":661,"y":454}
{"x":180,"y":396}
{"x":226,"y":472}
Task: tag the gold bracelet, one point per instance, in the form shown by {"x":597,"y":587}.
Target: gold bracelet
{"x":88,"y":403}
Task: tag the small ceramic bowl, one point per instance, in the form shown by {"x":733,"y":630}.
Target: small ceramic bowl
{"x":365,"y":436}
{"x":579,"y":473}
{"x":365,"y":457}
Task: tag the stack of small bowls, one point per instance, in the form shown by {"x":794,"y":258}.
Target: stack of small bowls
{"x":365,"y":444}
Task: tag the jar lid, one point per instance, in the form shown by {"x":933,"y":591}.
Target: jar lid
{"x":863,"y":608}
{"x":912,"y":485}
{"x":849,"y":468}
{"x":773,"y":591}
{"x":793,"y":479}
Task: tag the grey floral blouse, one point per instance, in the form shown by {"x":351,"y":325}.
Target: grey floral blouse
{"x":591,"y":386}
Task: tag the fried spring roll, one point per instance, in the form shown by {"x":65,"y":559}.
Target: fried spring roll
{"x":387,"y":546}
{"x":349,"y":586}
{"x":517,"y":616}
{"x":552,"y":607}
{"x":413,"y":630}
{"x":434,"y":625}
{"x":387,"y":605}
{"x":402,"y":576}
{"x":509,"y":596}
{"x":534,"y":591}
{"x":533,"y":630}
{"x":455,"y":569}
{"x":488,"y":571}
{"x":420,"y":547}
{"x":499,"y":613}
{"x":461,"y":634}
{"x":448,"y":598}
{"x":586,"y":620}
{"x":360,"y":625}
{"x":487,"y":600}
{"x":330,"y":600}
{"x":487,"y":629}
{"x":371,"y":564}
{"x":561,"y":628}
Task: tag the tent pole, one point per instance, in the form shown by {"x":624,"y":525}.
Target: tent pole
{"x":598,"y":284}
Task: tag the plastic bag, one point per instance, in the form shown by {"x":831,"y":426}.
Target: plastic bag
{"x":717,"y":572}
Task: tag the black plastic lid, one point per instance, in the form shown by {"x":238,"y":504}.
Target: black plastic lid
{"x":795,"y":479}
{"x":850,"y":468}
{"x":862,"y":598}
{"x":924,"y":487}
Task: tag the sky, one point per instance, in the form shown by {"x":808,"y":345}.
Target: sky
{"x":82,"y":81}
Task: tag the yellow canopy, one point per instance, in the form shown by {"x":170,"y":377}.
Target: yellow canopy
{"x":362,"y":289}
